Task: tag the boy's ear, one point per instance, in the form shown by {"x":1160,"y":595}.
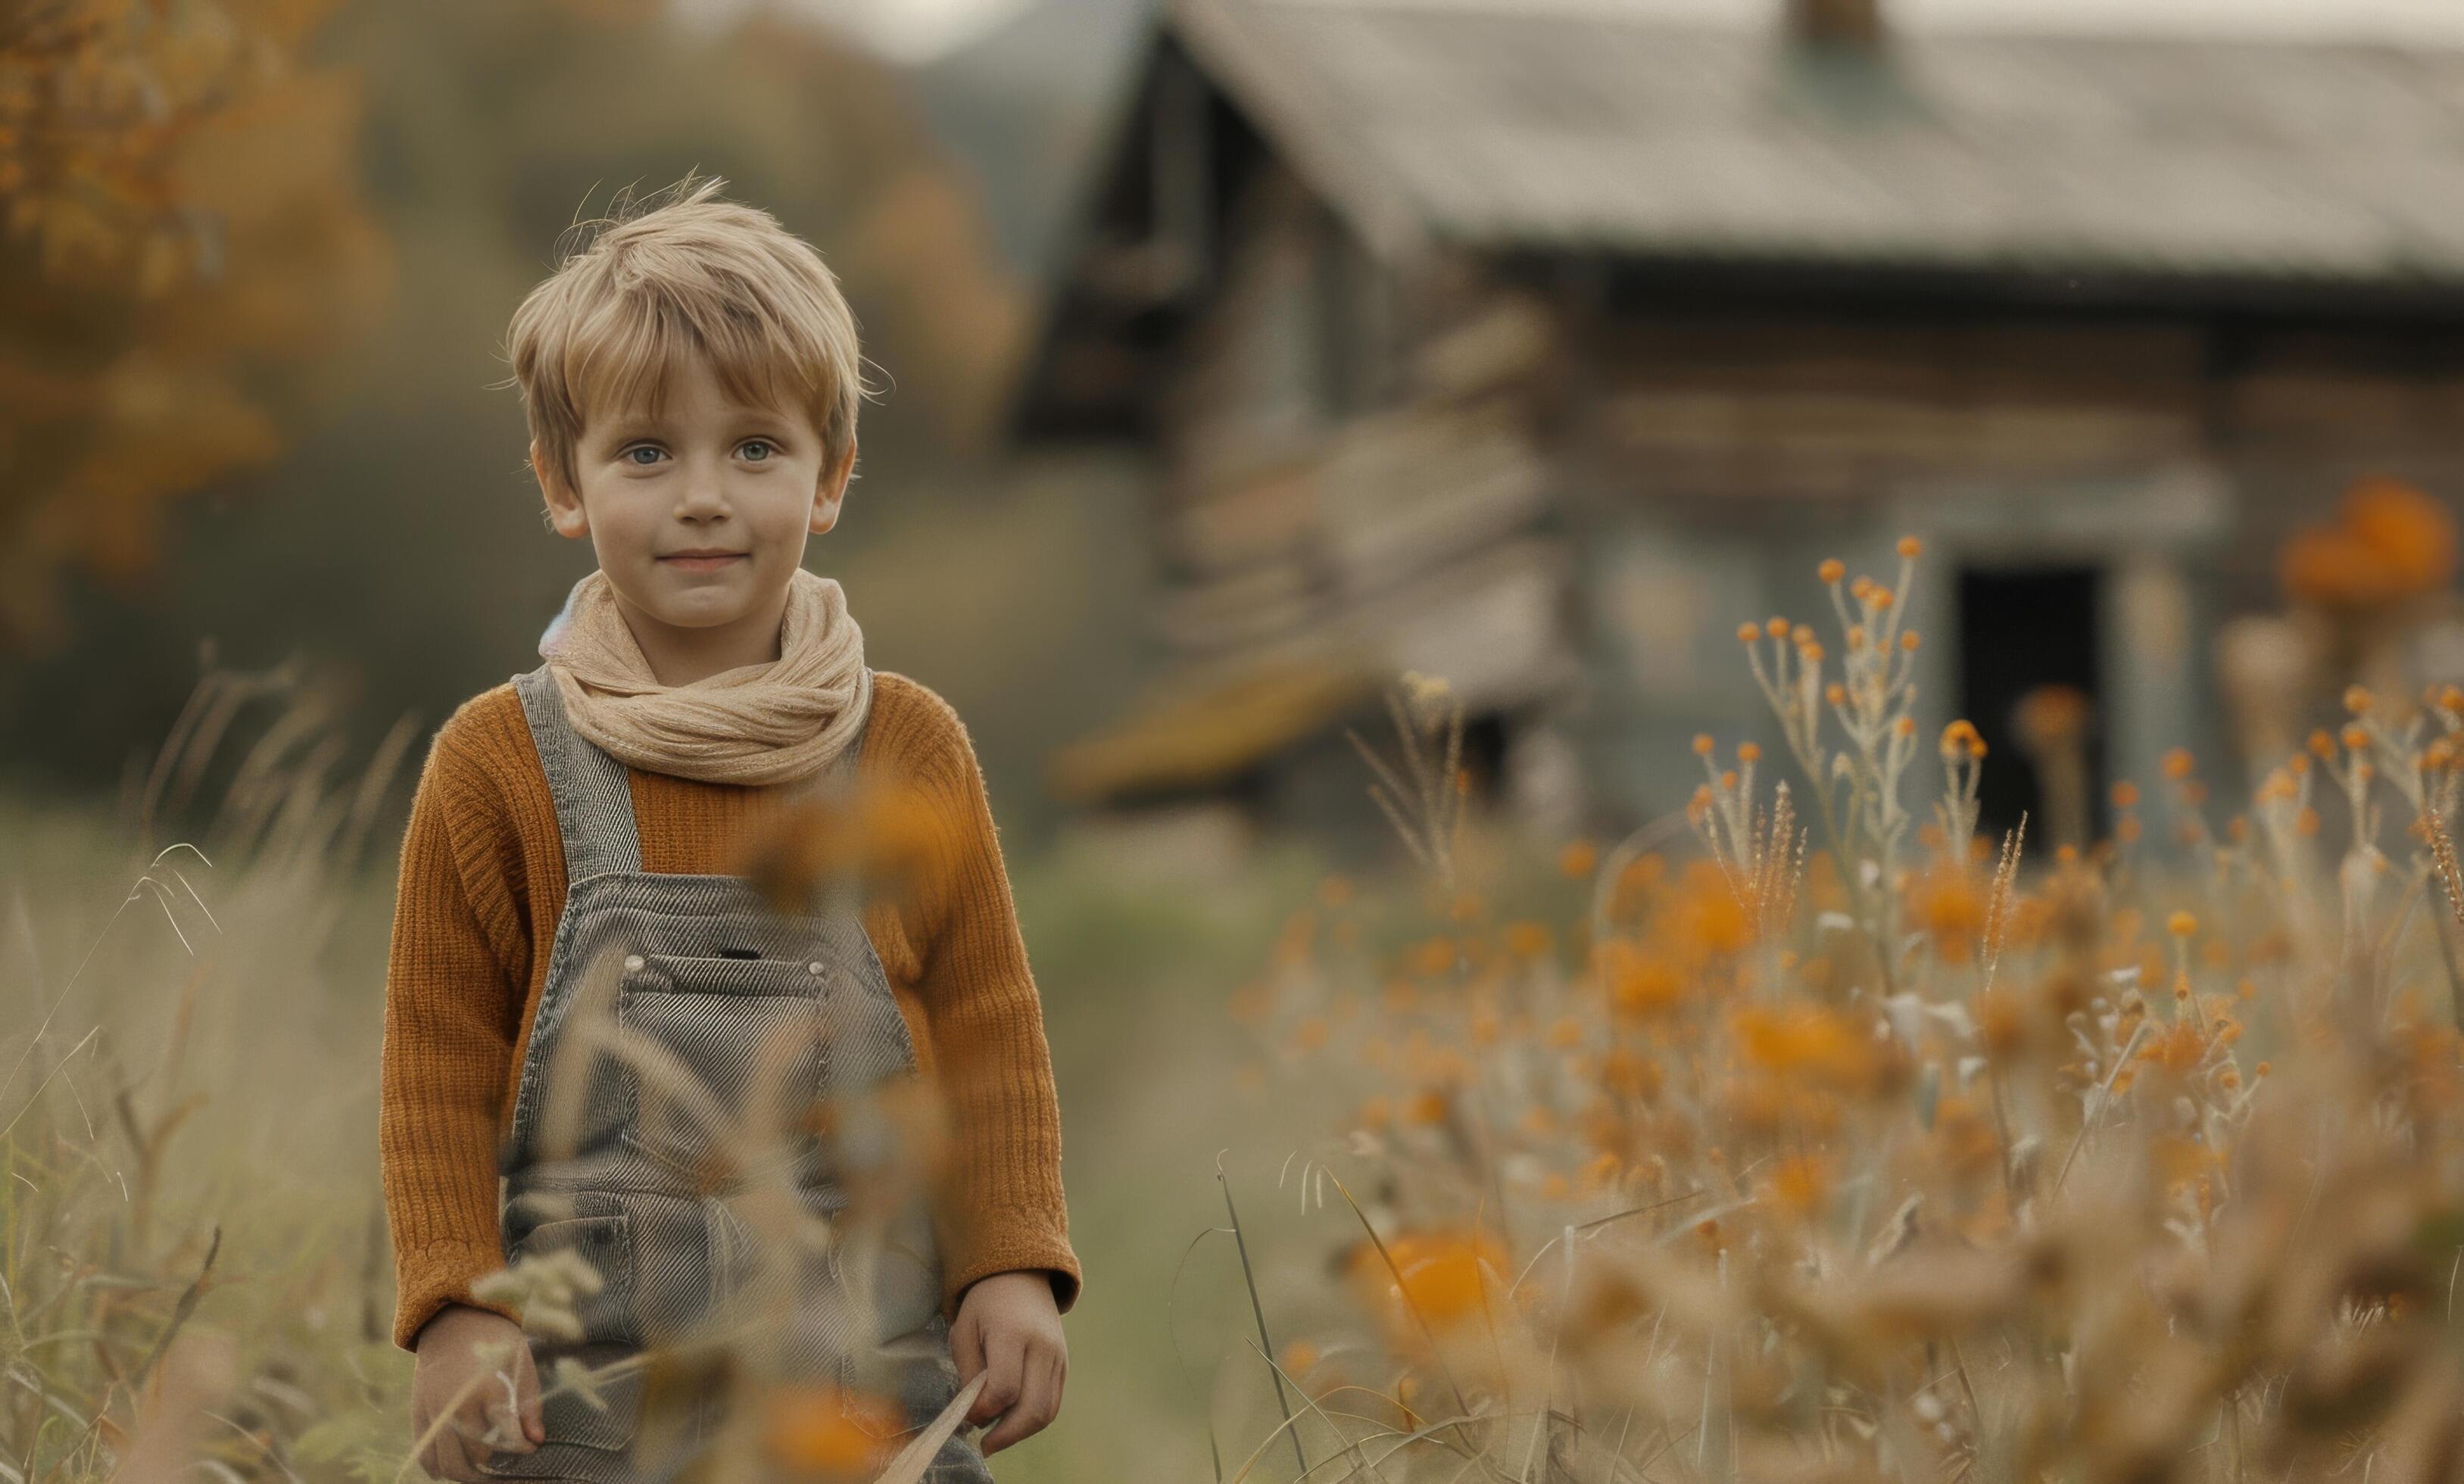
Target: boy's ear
{"x":831,"y":491}
{"x":564,"y":511}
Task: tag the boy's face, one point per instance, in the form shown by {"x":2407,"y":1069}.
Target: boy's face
{"x":699,"y":513}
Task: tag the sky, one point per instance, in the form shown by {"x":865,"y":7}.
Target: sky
{"x":916,"y":32}
{"x":2436,"y":21}
{"x":911,"y":32}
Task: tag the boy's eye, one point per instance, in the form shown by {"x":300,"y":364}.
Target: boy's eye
{"x":641,"y":453}
{"x":757,"y":449}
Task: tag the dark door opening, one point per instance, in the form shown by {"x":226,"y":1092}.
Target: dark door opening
{"x":2028,"y":678}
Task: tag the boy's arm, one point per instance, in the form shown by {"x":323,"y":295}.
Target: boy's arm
{"x":986,"y":1023}
{"x":454,"y":989}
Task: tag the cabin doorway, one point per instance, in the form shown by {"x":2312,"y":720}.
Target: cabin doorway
{"x":2028,"y":679}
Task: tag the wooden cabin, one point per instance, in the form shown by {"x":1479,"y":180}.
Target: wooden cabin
{"x":1540,"y":347}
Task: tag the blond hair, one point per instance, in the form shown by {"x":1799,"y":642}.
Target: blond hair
{"x":677,"y":274}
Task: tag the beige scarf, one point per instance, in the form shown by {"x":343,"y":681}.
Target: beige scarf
{"x":756,"y":724}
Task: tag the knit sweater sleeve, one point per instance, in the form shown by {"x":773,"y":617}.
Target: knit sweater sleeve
{"x":453,"y":998}
{"x":986,"y":1023}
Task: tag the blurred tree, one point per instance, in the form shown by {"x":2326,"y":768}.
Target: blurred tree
{"x":181,"y":240}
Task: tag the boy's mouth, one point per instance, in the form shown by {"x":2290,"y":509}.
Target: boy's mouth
{"x":701,"y":560}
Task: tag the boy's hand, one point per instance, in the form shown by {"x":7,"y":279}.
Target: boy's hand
{"x":474,"y":1372}
{"x":1009,"y":1327}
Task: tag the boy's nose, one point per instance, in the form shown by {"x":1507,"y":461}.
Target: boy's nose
{"x":703,"y":499}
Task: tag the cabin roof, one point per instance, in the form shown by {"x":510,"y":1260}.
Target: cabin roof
{"x":1501,"y":126}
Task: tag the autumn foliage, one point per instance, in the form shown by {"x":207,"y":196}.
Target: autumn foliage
{"x":181,"y":238}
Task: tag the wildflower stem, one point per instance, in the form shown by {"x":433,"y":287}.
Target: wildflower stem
{"x":1258,"y":1310}
{"x":1350,"y":1445}
{"x":1172,"y":1334}
{"x":2442,"y":854}
{"x":2096,"y":1110}
{"x":1410,"y":1305}
{"x":180,"y":1313}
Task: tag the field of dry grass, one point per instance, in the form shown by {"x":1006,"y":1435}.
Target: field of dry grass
{"x":187,"y":1063}
{"x":1828,"y":1140}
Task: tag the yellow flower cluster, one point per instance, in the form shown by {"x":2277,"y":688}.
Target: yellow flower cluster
{"x":1852,"y":1149}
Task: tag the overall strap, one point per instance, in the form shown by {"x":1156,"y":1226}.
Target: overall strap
{"x":594,"y":802}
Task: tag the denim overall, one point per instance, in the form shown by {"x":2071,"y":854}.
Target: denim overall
{"x":672,"y":1003}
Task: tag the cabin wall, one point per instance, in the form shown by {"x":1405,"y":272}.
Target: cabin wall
{"x":1711,"y":461}
{"x":1569,"y":512}
{"x":2299,"y":414}
{"x":1350,"y":477}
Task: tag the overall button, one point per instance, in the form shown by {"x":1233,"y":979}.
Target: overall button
{"x":635,"y":963}
{"x":814,"y":969}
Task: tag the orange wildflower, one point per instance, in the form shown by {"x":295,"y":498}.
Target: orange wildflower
{"x":1951,"y":912}
{"x":1799,"y":1183}
{"x":1707,"y":919}
{"x":2177,"y":1048}
{"x":1438,"y":1275}
{"x":1629,"y":1074}
{"x":822,"y":1432}
{"x":1804,"y":1042}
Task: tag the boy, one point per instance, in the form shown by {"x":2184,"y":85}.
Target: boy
{"x":692,"y":378}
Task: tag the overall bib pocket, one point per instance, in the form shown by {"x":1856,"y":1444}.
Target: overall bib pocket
{"x":727,"y":1047}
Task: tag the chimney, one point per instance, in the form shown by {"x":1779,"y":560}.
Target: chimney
{"x":1846,"y":24}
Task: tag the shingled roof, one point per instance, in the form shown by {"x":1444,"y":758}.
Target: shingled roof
{"x":1502,"y":127}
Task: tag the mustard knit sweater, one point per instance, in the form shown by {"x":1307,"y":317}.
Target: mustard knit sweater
{"x":481,"y":889}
